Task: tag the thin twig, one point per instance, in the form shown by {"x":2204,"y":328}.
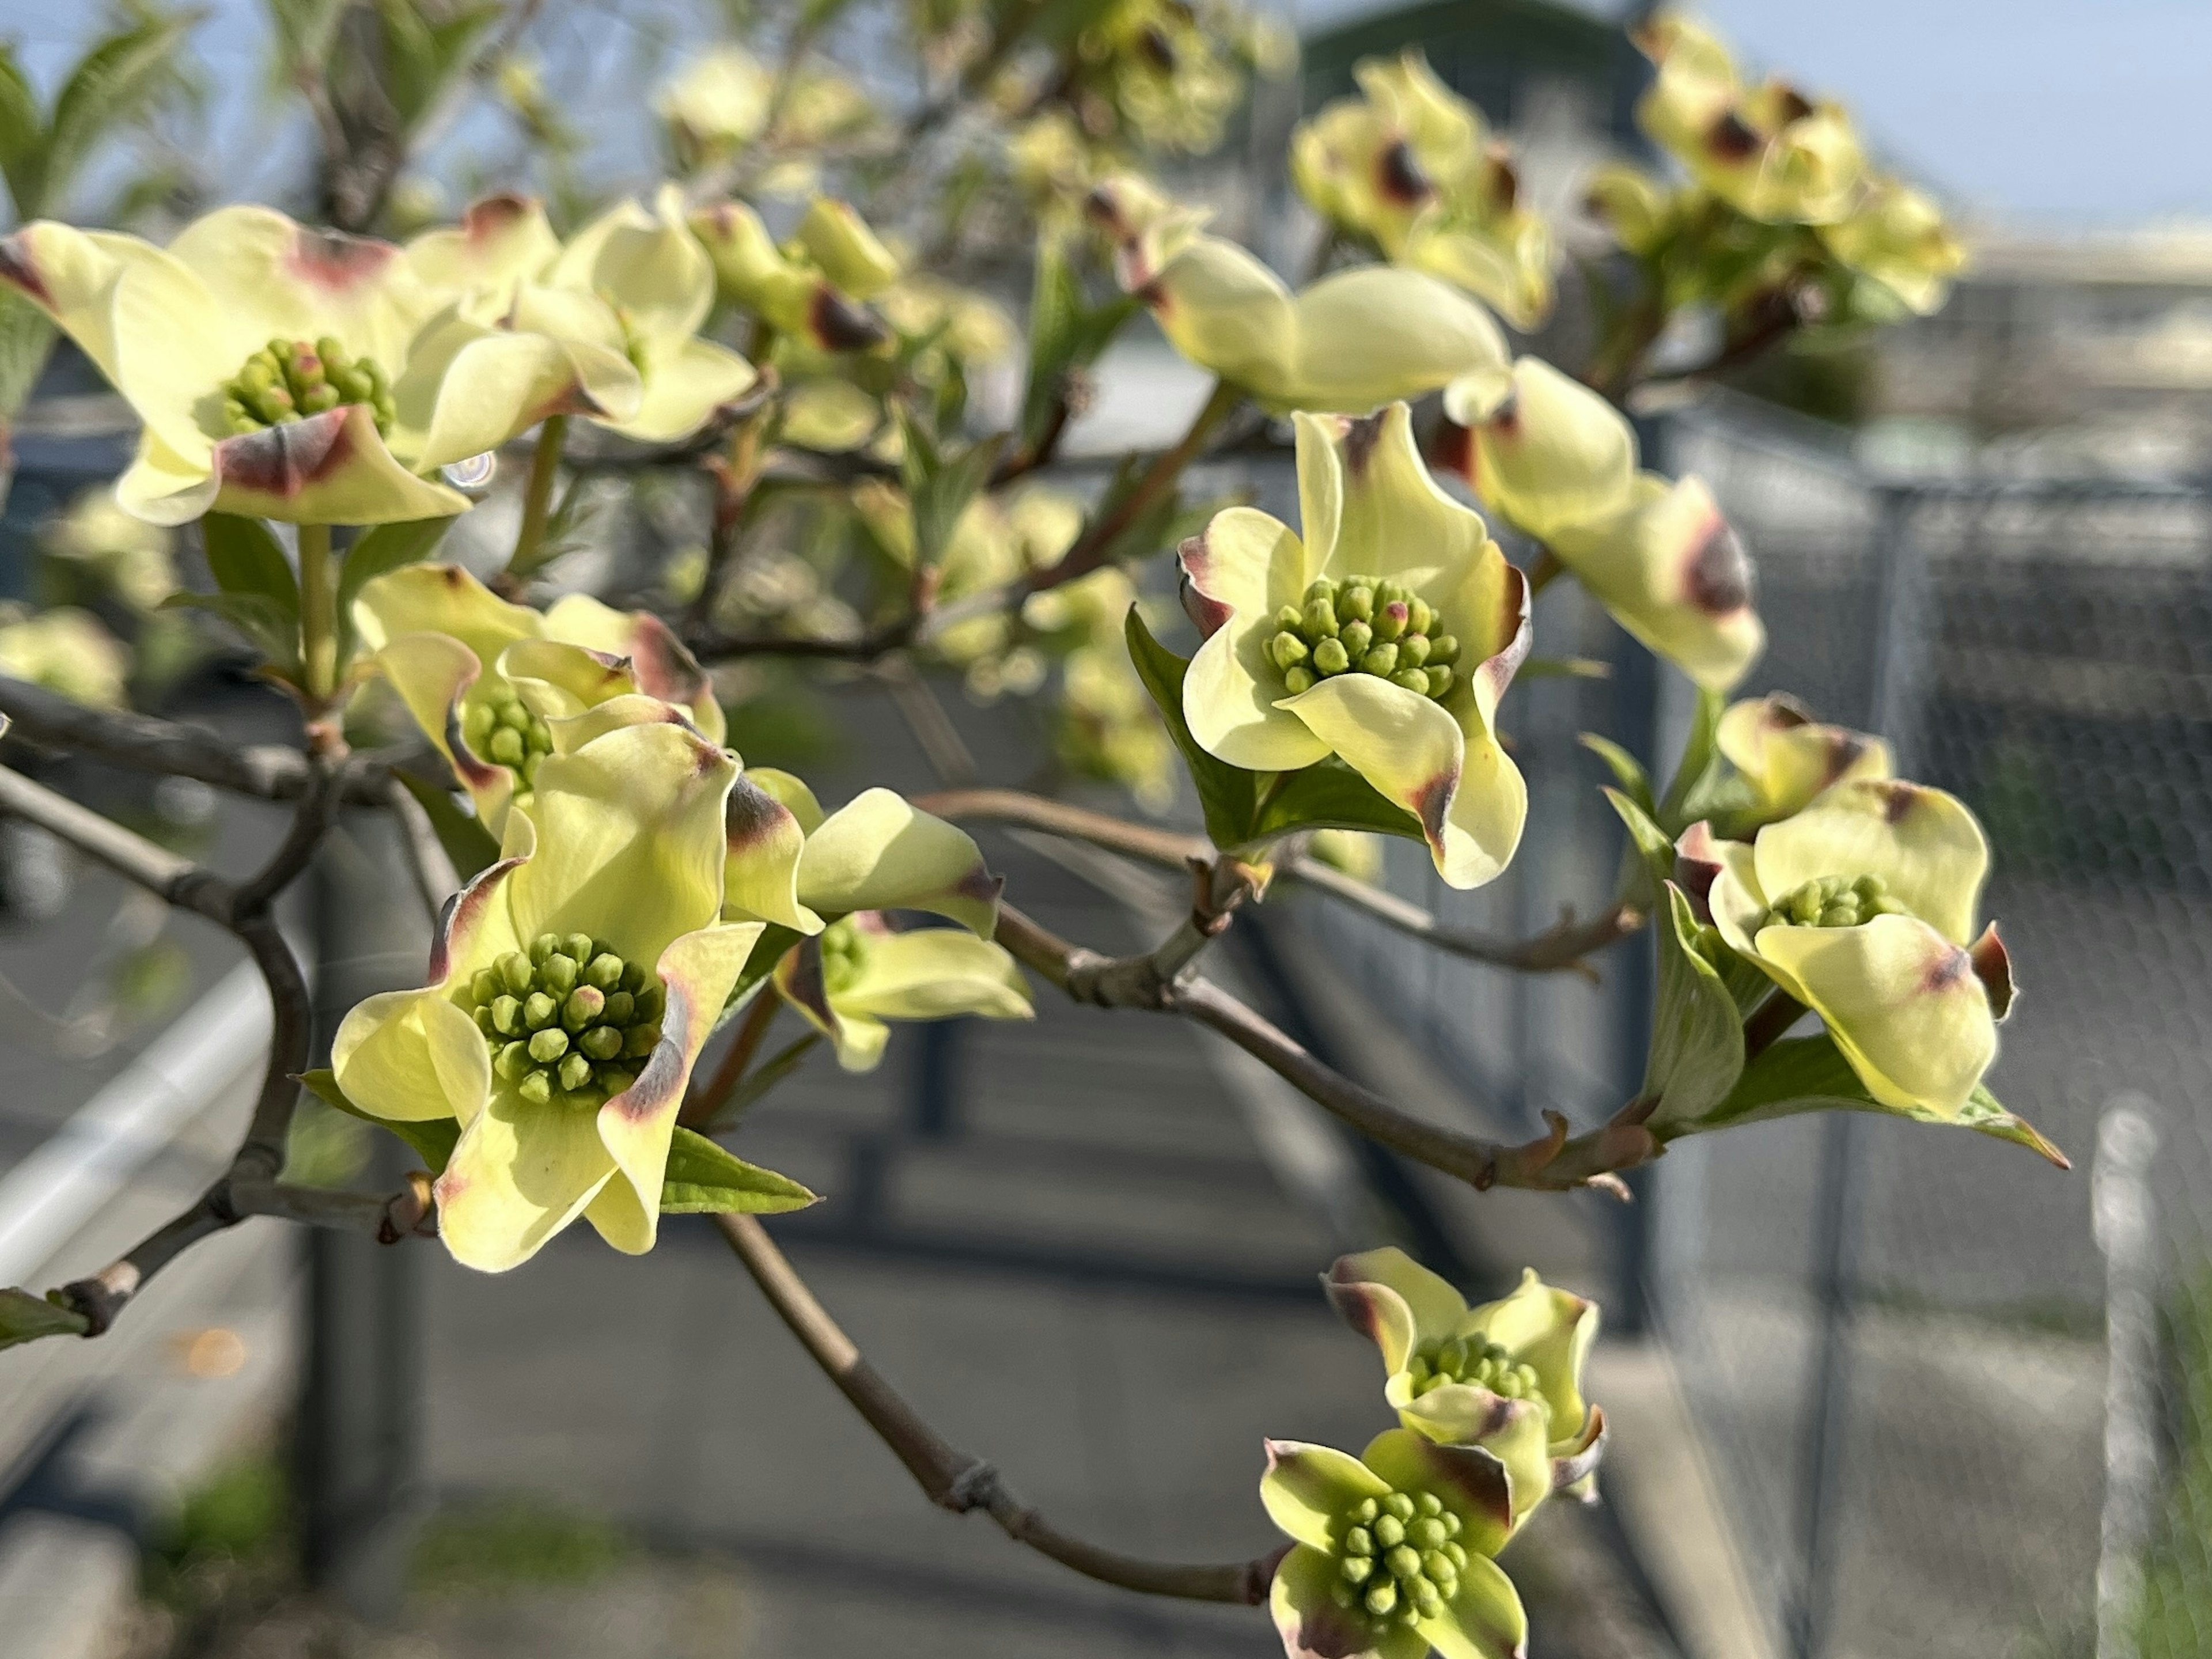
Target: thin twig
{"x":1561,"y":948}
{"x":427,"y":861}
{"x":955,"y":1479}
{"x":249,"y":1186}
{"x":704,"y":1101}
{"x":268,"y":771}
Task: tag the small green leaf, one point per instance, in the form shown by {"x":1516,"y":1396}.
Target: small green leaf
{"x":27,"y":340}
{"x":1330,"y":795}
{"x":1228,"y":794}
{"x":1809,"y":1074}
{"x":940,"y":481}
{"x":1653,"y":844}
{"x":111,"y":87}
{"x":385,"y":548}
{"x":1628,"y":771}
{"x":22,"y":135}
{"x":245,"y":556}
{"x":471,"y":846}
{"x":1697,"y":1034}
{"x":26,"y":1318}
{"x":1066,"y":334}
{"x":274,"y":630}
{"x":1705,"y":786}
{"x":433,"y":1139}
{"x":703,"y":1179}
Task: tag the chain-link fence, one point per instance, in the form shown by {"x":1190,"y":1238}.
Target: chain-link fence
{"x":1894,"y":1337}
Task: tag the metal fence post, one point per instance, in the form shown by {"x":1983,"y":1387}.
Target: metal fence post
{"x":2124,"y":1210}
{"x":356,"y":1452}
{"x":1900,"y":646}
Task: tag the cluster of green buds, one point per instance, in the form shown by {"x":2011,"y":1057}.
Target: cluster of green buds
{"x":1398,"y":1557}
{"x":1476,"y":1360}
{"x":500,"y":728}
{"x":290,"y":380}
{"x":844,"y":954}
{"x":1363,"y":625}
{"x":1835,"y":902}
{"x":567,"y":1020}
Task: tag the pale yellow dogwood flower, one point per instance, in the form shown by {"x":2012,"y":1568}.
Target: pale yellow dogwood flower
{"x":484,"y":679}
{"x":286,"y":374}
{"x":1863,"y":907}
{"x":1402,"y":683}
{"x":851,"y":973}
{"x":1352,"y":341}
{"x":573,"y":984}
{"x":1557,"y":462}
{"x":1506,"y":1375}
{"x":1409,"y":166}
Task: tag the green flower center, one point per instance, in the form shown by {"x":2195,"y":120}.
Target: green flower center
{"x":1363,"y":625}
{"x":844,"y":954}
{"x":1834,"y":901}
{"x":1398,"y":1557}
{"x":290,"y":380}
{"x":501,"y":729}
{"x":568,"y":1020}
{"x":1473,"y":1359}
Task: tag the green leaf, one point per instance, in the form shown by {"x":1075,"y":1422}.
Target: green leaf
{"x":272,"y":629}
{"x":1653,"y":844}
{"x":1066,"y":334}
{"x":940,"y":482}
{"x":703,"y":1179}
{"x":1697,"y":1034}
{"x":467,"y":842}
{"x":1628,"y":771}
{"x":1228,"y":794}
{"x":385,"y":548}
{"x":1330,"y":795}
{"x":245,"y":556}
{"x":433,"y":1139}
{"x":22,"y":135}
{"x":26,"y":1318}
{"x":1705,"y":786}
{"x":27,"y":340}
{"x":1809,"y":1074}
{"x":111,"y":86}
{"x":763,"y":1079}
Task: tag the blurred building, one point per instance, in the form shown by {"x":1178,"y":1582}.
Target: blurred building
{"x":2071,"y":354}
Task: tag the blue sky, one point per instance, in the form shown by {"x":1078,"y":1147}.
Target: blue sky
{"x":2048,"y":114}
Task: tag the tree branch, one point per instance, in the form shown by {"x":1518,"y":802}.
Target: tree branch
{"x":1560,"y":948}
{"x":1557,"y":949}
{"x":955,"y":1479}
{"x":250,"y":1185}
{"x":267,"y":771}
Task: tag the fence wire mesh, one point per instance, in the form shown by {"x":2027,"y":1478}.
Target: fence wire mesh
{"x":1894,"y":1338}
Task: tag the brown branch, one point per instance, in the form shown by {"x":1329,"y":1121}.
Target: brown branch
{"x":1138,"y":840}
{"x":703,"y":1102}
{"x":250,"y":1185}
{"x":1562,"y":948}
{"x":955,"y":1479}
{"x":427,"y":861}
{"x":267,"y":771}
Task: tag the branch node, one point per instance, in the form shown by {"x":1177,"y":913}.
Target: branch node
{"x":976,"y":1487}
